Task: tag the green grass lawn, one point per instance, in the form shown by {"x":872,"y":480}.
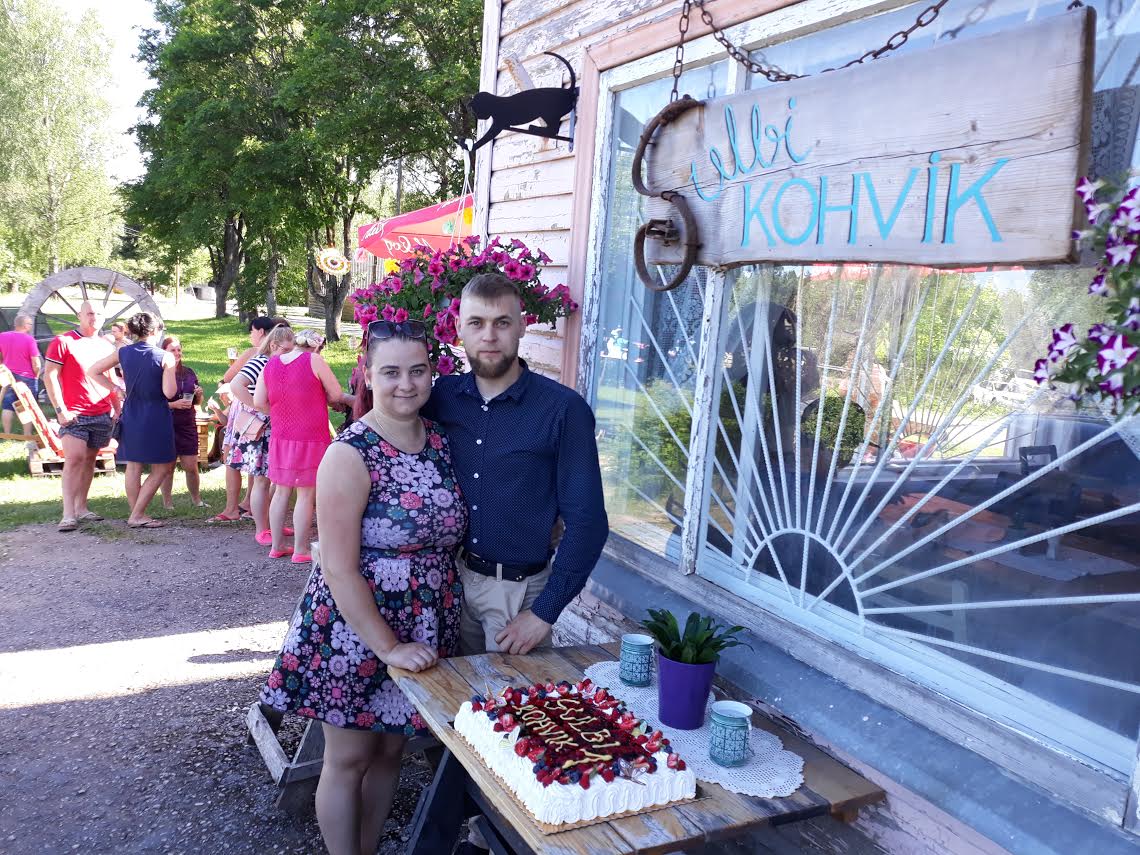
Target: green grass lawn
{"x":205,"y":343}
{"x":24,"y":499}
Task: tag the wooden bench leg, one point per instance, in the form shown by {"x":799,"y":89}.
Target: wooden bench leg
{"x":439,"y":814}
{"x":846,"y":816}
{"x":498,"y":832}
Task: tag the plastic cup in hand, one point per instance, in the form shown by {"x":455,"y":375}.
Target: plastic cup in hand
{"x":730,"y":725}
{"x":636,"y":659}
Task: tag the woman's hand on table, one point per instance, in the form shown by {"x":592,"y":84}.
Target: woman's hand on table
{"x":411,"y":657}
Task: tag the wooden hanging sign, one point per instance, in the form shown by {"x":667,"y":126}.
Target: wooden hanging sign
{"x":967,"y":153}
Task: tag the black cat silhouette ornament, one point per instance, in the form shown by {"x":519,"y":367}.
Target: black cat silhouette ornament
{"x":511,"y":112}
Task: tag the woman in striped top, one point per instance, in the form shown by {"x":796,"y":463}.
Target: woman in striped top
{"x":251,"y":456}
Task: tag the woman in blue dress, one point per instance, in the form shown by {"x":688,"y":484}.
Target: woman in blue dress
{"x":147,"y":436}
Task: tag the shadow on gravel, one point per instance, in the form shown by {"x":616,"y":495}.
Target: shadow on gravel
{"x":164,"y":771}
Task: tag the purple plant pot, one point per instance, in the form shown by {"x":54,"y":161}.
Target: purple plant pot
{"x":683,"y":692}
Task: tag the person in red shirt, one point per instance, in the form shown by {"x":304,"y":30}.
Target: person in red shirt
{"x":83,"y":408}
{"x":18,"y":350}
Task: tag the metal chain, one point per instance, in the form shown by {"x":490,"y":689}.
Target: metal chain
{"x":679,"y":57}
{"x":773,"y":73}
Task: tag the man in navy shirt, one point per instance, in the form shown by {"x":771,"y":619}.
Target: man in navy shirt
{"x":524,"y":450}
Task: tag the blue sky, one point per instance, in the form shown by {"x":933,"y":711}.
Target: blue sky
{"x":122,"y":21}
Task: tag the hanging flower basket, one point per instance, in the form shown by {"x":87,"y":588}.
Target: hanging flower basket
{"x":1101,"y":367}
{"x":428,"y":285}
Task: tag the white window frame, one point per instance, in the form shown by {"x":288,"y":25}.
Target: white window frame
{"x":834,"y":644}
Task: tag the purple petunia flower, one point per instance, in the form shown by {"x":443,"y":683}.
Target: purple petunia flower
{"x":1120,"y":254}
{"x":1087,"y":188}
{"x":1041,"y":371}
{"x":1064,"y":340}
{"x":1099,"y":284}
{"x":1101,"y":333}
{"x":1113,"y":384}
{"x":1127,"y":220}
{"x":1094,"y":210}
{"x":1115,"y":354}
{"x":1132,"y":317}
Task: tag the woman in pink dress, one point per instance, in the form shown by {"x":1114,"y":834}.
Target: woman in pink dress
{"x":295,"y":388}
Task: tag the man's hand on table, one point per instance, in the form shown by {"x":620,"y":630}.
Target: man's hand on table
{"x":411,"y":657}
{"x":523,"y":633}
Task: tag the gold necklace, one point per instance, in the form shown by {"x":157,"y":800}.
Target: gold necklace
{"x":374,"y":422}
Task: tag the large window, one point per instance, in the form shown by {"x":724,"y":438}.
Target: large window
{"x":648,"y":344}
{"x":883,"y":470}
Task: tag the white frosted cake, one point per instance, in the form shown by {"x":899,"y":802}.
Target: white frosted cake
{"x":573,"y":753}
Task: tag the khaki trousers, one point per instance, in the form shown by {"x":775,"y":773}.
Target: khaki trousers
{"x":489,"y":604}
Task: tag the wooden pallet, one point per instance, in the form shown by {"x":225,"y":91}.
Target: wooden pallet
{"x":45,"y":452}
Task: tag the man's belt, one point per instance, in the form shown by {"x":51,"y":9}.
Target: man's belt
{"x":506,"y":572}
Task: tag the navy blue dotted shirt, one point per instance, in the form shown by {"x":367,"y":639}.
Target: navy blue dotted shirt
{"x":524,"y":458}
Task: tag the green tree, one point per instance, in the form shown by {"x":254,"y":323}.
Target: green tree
{"x":59,"y":207}
{"x":270,"y":121}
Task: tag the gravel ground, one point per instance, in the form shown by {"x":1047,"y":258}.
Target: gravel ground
{"x":127,"y":664}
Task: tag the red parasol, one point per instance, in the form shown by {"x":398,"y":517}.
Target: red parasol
{"x":434,"y":227}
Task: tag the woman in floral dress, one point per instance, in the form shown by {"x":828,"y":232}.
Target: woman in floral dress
{"x":386,"y":593}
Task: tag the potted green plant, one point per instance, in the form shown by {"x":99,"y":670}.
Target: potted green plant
{"x":686,"y":664}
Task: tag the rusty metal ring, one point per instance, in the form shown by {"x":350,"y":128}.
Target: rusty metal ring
{"x":669,"y":113}
{"x":692,"y":244}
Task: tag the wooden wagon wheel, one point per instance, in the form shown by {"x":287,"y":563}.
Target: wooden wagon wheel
{"x":57,"y":298}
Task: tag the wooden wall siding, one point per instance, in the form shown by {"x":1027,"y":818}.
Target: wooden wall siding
{"x":532,"y":180}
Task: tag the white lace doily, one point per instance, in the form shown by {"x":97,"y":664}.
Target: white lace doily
{"x":771,"y":772}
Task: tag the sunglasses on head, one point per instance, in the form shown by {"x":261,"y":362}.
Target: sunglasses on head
{"x":391,"y":329}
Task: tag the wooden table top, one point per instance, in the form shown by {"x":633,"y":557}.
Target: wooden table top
{"x":829,"y":786}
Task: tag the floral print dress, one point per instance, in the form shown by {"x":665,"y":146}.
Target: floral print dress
{"x":413,"y":523}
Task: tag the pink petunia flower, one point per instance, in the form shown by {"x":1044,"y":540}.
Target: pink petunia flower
{"x":428,"y":310}
{"x":418,"y":276}
{"x":531,"y":319}
{"x":388,"y":312}
{"x":445,"y":365}
{"x":435,"y":266}
{"x":543,"y":257}
{"x":1115,"y":355}
{"x":400,"y":315}
{"x":472,"y":241}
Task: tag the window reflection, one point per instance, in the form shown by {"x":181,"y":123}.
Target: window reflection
{"x":647,"y":347}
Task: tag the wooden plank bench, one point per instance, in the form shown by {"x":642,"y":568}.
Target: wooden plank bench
{"x":829,"y":788}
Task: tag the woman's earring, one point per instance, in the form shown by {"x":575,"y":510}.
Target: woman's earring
{"x":367,"y":385}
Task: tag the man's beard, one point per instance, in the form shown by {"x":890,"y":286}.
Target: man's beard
{"x":492,"y":370}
